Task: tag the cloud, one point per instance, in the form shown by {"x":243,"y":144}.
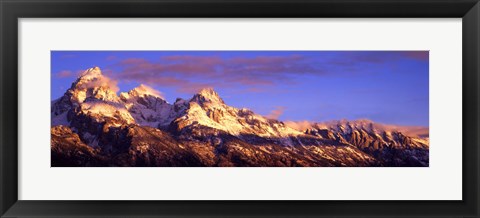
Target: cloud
{"x":276,"y":113}
{"x":111,"y":58}
{"x":69,"y":74}
{"x":185,"y":65}
{"x":187,"y":72}
{"x":371,"y":62}
{"x":149,"y":90}
{"x":64,"y":74}
{"x":416,"y":55}
{"x":195,"y":87}
{"x":299,"y":125}
{"x":102,"y":81}
{"x":378,"y":57}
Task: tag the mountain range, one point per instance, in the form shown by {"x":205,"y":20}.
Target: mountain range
{"x":93,"y":126}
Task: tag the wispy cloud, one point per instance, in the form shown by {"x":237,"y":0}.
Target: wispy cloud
{"x":68,"y":73}
{"x":64,"y":74}
{"x":102,"y":81}
{"x":378,"y":57}
{"x":149,"y":90}
{"x":417,"y":55}
{"x":276,"y":113}
{"x":188,"y":73}
{"x":111,"y":58}
{"x":299,"y":125}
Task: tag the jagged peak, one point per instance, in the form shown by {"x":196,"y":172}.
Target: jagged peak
{"x":350,"y":125}
{"x":359,"y":122}
{"x":144,"y":90}
{"x":91,"y":73}
{"x":93,"y":84}
{"x":207,"y":95}
{"x":208,"y":91}
{"x":343,"y":122}
{"x":362,"y":121}
{"x":93,"y":78}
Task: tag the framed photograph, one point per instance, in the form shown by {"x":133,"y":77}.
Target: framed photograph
{"x":226,"y":108}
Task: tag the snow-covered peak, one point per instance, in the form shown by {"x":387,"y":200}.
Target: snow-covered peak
{"x":103,"y":109}
{"x":207,"y":95}
{"x":148,"y":107}
{"x":208,"y":92}
{"x":370,"y":126}
{"x":144,"y":95}
{"x":348,"y":126}
{"x":144,"y":90}
{"x":91,"y":73}
{"x":93,"y":84}
{"x":207,"y":109}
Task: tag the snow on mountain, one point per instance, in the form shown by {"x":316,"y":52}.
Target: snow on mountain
{"x":368,"y":134}
{"x":93,"y":84}
{"x":139,"y":128}
{"x":94,"y":93}
{"x":347,"y":126}
{"x":148,"y":107}
{"x":141,"y":91}
{"x":208,"y":97}
{"x":102,"y":110}
{"x":59,"y":111}
{"x":386,"y":134}
{"x":207,"y":109}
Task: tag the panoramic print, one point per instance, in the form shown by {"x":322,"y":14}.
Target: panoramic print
{"x":239,"y":109}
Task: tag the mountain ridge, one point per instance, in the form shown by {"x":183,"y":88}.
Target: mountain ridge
{"x":139,"y":128}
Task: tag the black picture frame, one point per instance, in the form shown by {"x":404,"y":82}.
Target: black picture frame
{"x":12,"y":10}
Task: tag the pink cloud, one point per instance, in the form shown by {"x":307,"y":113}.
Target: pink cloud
{"x":102,"y":81}
{"x":149,"y":90}
{"x":194,"y":88}
{"x":417,"y":55}
{"x":265,"y":60}
{"x":111,"y":58}
{"x":64,"y":74}
{"x":183,"y":71}
{"x":350,"y":61}
{"x":299,"y":125}
{"x":276,"y":113}
{"x":269,"y":65}
{"x":186,"y":65}
{"x":204,"y":60}
{"x":189,"y":72}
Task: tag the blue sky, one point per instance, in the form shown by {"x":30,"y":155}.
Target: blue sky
{"x":384,"y":86}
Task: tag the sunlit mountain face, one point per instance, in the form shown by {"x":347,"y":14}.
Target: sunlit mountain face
{"x":93,"y":125}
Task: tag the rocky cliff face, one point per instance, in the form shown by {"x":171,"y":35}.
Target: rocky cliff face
{"x":386,"y":143}
{"x":92,"y":126}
